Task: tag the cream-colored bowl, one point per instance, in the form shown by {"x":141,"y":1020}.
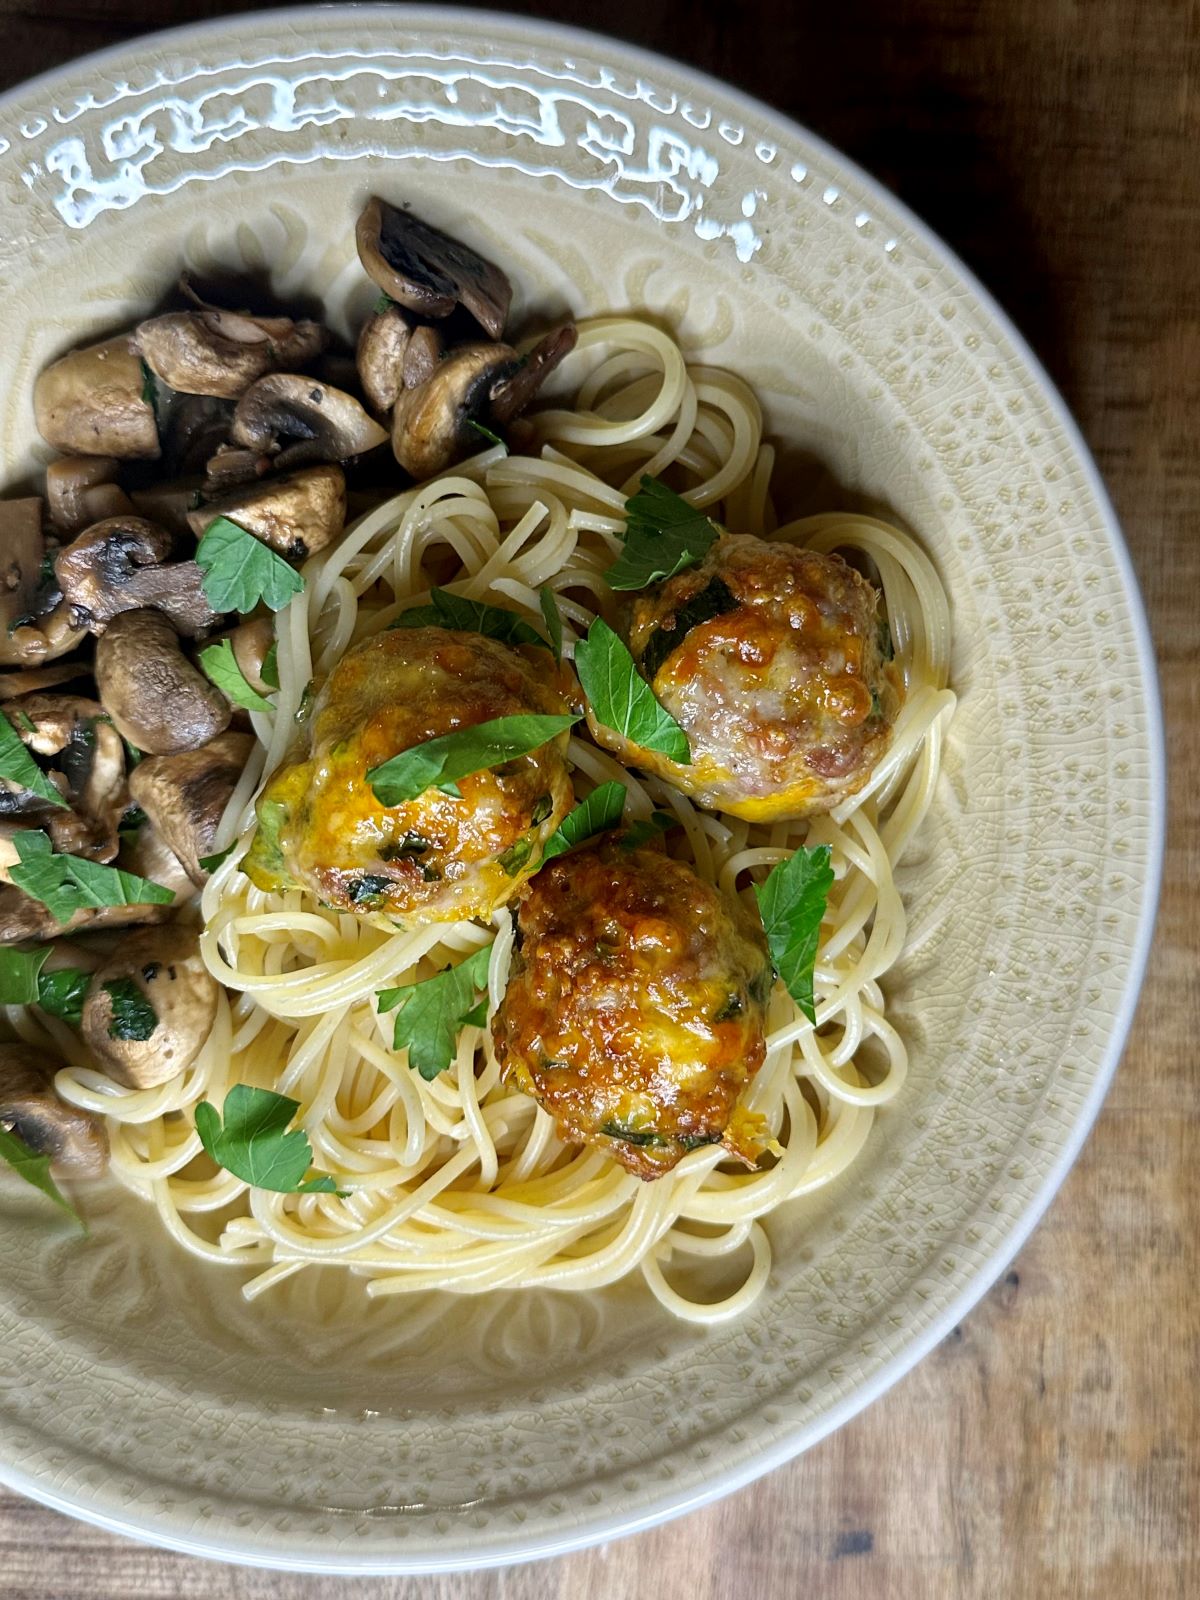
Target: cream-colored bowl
{"x":314,"y":1430}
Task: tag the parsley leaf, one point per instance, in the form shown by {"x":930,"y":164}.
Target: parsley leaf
{"x":383,"y":303}
{"x":621,"y":699}
{"x":133,"y":1017}
{"x":430,"y":1014}
{"x":35,"y":1169}
{"x":601,"y":810}
{"x":792,"y":902}
{"x":211,"y":863}
{"x":240,"y":570}
{"x":714,"y":600}
{"x":456,"y":755}
{"x":269,"y":671}
{"x":447,"y":610}
{"x":663,"y":536}
{"x":220,"y":666}
{"x":61,"y":993}
{"x":19,"y":971}
{"x":24,"y":983}
{"x":553,"y":616}
{"x":64,"y":884}
{"x":254,"y":1143}
{"x":19,"y":767}
{"x":492,"y":438}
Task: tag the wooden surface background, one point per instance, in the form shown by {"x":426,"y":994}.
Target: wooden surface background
{"x":1051,"y":1446}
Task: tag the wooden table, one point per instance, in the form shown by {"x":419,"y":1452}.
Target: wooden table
{"x":1051,"y":1447}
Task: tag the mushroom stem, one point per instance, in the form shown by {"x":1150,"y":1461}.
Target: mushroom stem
{"x":153,"y":693}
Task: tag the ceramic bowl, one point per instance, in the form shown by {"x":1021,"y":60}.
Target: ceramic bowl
{"x":313,"y":1430}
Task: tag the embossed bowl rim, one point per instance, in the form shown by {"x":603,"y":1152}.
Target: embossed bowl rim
{"x":660,"y":1506}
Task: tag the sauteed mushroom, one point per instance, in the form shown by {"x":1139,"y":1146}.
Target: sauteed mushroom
{"x":301,"y":421}
{"x":431,"y":423}
{"x":426,"y":270}
{"x":81,"y":490}
{"x":96,"y":402}
{"x":156,"y":697}
{"x":221,"y":353}
{"x":185,"y":796}
{"x":91,"y":761}
{"x":150,"y":1008}
{"x":35,"y":625}
{"x":123,"y":564}
{"x":74,"y":1140}
{"x":512,"y":394}
{"x":297,"y":515}
{"x":252,"y":642}
{"x":380,"y":356}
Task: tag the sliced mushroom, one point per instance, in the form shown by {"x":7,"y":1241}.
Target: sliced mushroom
{"x":162,"y":969}
{"x":426,"y":270}
{"x":195,"y":426}
{"x":300,"y":420}
{"x":431,"y":423}
{"x":96,"y":402}
{"x":81,"y":490}
{"x":222,"y":353}
{"x":297,"y":515}
{"x":511,"y":395}
{"x":168,"y":504}
{"x":379,"y":356}
{"x":185,"y":796}
{"x":123,"y":564}
{"x":156,"y":697}
{"x":149,"y":855}
{"x":14,"y":684}
{"x":230,"y":468}
{"x":91,"y":760}
{"x":252,"y":642}
{"x":74,"y":1140}
{"x":422,"y":356}
{"x":35,"y":623}
{"x":22,"y":917}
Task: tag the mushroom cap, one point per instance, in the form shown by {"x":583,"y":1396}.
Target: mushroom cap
{"x":303,"y":421}
{"x":92,"y":402}
{"x":296,"y":515}
{"x":149,"y":855}
{"x":123,"y":564}
{"x":70,"y":485}
{"x":185,"y":796}
{"x":512,"y":394}
{"x":379,"y":357}
{"x":92,"y":763}
{"x":35,"y":624}
{"x":74,"y":1140}
{"x":165,"y":965}
{"x":152,"y":692}
{"x":428,"y":271}
{"x":222,"y":353}
{"x":252,"y":641}
{"x":430,"y":423}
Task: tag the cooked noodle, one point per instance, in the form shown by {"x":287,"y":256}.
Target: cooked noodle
{"x":463,"y":1183}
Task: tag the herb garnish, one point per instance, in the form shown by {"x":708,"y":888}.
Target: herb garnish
{"x":219,"y":665}
{"x":446,"y":610}
{"x":254,"y":1143}
{"x":640,"y":1136}
{"x":35,"y":1169}
{"x":792,"y":902}
{"x":492,"y":438}
{"x":712,"y":601}
{"x":640,"y":833}
{"x":269,"y":671}
{"x":621,"y":699}
{"x":438,"y":762}
{"x":211,"y":863}
{"x":600,"y":811}
{"x":133,"y":1017}
{"x":66,"y":884}
{"x":430,"y":1014}
{"x":553,"y":618}
{"x":19,"y":767}
{"x":23,"y":983}
{"x":663,"y":536}
{"x":240,"y":570}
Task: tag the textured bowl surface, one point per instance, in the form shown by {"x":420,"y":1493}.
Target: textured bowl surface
{"x":314,"y":1430}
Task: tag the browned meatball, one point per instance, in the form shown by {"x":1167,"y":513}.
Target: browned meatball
{"x":775,"y":663}
{"x":439,"y":857}
{"x":635,"y":1006}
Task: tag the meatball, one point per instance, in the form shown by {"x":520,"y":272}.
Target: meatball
{"x":439,"y":857}
{"x":635,"y":1006}
{"x":777,"y":666}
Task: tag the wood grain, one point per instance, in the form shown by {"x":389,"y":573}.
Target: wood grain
{"x":1051,"y":1446}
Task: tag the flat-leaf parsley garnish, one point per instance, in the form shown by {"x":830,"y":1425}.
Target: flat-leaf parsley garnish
{"x":24,"y":983}
{"x":66,"y":884}
{"x":19,"y":767}
{"x":600,"y":811}
{"x":440,"y":762}
{"x":35,"y":1169}
{"x":446,"y":610}
{"x":133,"y":1017}
{"x":621,"y":698}
{"x":240,"y":570}
{"x":792,"y":902}
{"x":431,"y":1014}
{"x":663,"y":535}
{"x":220,"y":666}
{"x":250,"y":1138}
{"x":640,"y":833}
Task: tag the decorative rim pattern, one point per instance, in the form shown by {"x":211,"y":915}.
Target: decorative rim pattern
{"x":658,"y":138}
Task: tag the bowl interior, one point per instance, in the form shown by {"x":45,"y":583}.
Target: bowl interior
{"x":313,"y":1427}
